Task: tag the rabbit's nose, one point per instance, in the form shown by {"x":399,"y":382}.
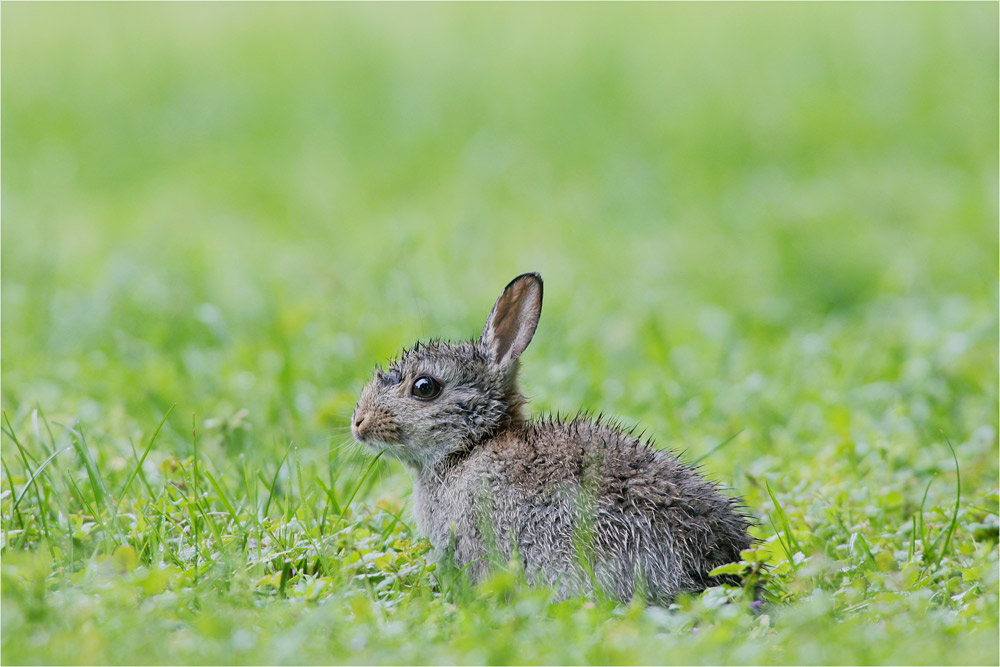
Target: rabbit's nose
{"x":356,"y":423}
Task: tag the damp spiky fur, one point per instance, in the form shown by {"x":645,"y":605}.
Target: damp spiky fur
{"x":581,"y":501}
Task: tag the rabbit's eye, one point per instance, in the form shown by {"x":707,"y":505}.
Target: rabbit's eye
{"x":426,"y":388}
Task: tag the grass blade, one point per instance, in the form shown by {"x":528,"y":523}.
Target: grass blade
{"x":331,"y":496}
{"x":950,"y":530}
{"x":42,"y":511}
{"x":274,"y":481}
{"x":783,"y":520}
{"x":357,"y":487}
{"x":717,"y":447}
{"x":142,"y":459}
{"x":38,"y":471}
{"x":96,"y":482}
{"x":222,"y":497}
{"x":10,"y":478}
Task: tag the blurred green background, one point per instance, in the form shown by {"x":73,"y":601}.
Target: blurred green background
{"x":777,"y":220}
{"x":242,"y":206}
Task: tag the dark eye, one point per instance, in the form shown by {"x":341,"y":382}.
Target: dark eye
{"x":426,"y":388}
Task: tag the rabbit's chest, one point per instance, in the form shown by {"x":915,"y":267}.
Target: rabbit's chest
{"x":477,"y":512}
{"x":437,"y":508}
{"x":449,"y":509}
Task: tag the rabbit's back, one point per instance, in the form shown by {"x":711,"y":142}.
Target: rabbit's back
{"x":581,"y":500}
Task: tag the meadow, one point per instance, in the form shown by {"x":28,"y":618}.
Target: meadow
{"x":769,"y":238}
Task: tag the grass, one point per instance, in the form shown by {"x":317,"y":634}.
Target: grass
{"x":768,"y":234}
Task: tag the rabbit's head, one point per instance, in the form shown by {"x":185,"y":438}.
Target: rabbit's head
{"x":439,"y":398}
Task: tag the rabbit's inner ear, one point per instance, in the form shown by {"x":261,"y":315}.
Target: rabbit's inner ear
{"x":512,"y":322}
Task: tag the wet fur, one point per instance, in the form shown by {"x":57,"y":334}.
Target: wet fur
{"x":581,"y":501}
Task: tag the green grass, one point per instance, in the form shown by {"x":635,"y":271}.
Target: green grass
{"x":774,"y":221}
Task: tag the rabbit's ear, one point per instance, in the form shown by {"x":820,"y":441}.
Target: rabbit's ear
{"x":512,"y":322}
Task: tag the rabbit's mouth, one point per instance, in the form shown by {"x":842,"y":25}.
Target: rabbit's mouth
{"x":375,"y":428}
{"x":396,"y":450}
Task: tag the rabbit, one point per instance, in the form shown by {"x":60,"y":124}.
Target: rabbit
{"x":580,"y":502}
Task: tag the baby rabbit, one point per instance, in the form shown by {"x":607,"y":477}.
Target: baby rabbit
{"x":582,"y":502}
